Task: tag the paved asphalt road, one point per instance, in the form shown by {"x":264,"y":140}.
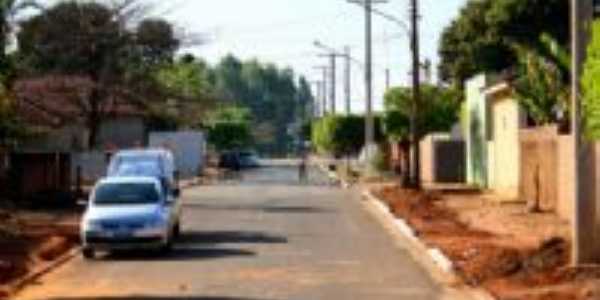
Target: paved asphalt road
{"x":259,"y":236}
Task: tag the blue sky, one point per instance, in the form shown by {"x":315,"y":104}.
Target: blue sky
{"x":282,"y":32}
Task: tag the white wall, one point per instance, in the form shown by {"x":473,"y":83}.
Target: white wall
{"x":189,"y":149}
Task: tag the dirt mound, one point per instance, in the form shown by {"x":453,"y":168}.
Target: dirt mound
{"x":25,"y":244}
{"x":13,"y":258}
{"x":54,"y":247}
{"x":551,"y":255}
{"x":505,"y":264}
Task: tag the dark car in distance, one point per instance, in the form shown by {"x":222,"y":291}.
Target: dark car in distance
{"x":248,"y":160}
{"x":230,"y":161}
{"x":238,"y":160}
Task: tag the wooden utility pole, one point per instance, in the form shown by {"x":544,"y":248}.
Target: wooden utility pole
{"x":416,"y":103}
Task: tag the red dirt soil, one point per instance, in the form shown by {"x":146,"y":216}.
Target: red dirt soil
{"x":29,"y":244}
{"x":510,"y":266}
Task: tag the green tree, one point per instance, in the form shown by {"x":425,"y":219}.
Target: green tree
{"x":229,"y":127}
{"x":590,"y":87}
{"x":189,"y":78}
{"x":270,"y":93}
{"x":484,"y":36}
{"x":11,"y":128}
{"x":342,"y":135}
{"x":98,"y":47}
{"x":227,"y":136}
{"x":9,"y":9}
{"x":156,"y":41}
{"x":230,"y":114}
{"x":305,"y":99}
{"x":542,"y":82}
{"x":396,"y":126}
{"x":439,"y":110}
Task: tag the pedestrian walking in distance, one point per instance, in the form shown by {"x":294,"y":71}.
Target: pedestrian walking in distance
{"x":302,"y":170}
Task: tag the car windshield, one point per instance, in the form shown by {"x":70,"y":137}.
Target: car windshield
{"x":126,"y":193}
{"x":136,"y":166}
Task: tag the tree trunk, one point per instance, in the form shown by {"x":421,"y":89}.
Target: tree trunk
{"x":93,"y":118}
{"x":405,"y":146}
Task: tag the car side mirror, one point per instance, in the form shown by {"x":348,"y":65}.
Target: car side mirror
{"x":176,"y":192}
{"x":82,"y":203}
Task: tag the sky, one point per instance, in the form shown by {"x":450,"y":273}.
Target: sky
{"x":283,"y":31}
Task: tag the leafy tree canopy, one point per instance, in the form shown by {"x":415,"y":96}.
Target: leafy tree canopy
{"x":484,"y":36}
{"x":542,"y":82}
{"x":156,"y":41}
{"x":591,"y":89}
{"x":94,"y":41}
{"x":439,"y":112}
{"x":230,"y":114}
{"x":342,"y":135}
{"x":230,"y":136}
{"x":185,"y":77}
{"x":273,"y":96}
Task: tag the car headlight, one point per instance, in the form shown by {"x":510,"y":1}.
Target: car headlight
{"x":155,"y":222}
{"x":92,"y":225}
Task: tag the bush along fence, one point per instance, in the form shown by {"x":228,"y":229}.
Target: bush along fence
{"x":342,"y":135}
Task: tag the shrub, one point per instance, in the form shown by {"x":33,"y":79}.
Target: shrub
{"x":229,"y":135}
{"x":342,"y":135}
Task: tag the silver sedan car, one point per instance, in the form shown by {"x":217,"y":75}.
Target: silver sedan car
{"x":130,"y":213}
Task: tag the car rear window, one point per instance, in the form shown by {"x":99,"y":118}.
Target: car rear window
{"x":126,"y":193}
{"x":136,"y":166}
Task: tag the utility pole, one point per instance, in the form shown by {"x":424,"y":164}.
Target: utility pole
{"x":369,"y":118}
{"x":316,"y":103}
{"x":348,"y":85}
{"x":387,"y":79}
{"x":324,"y":71}
{"x":583,"y":251}
{"x":333,"y":55}
{"x":333,"y":78}
{"x":416,"y":103}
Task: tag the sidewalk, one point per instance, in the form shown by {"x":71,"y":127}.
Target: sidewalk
{"x":512,"y":254}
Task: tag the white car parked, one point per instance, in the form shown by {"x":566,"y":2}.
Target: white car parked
{"x":130,"y":213}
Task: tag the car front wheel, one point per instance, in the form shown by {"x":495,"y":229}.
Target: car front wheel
{"x":88,"y":253}
{"x":177,"y":230}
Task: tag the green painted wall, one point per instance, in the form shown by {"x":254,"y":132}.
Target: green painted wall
{"x":475,"y":133}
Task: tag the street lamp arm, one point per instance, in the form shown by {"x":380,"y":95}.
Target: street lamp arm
{"x":384,"y":15}
{"x":392,"y":19}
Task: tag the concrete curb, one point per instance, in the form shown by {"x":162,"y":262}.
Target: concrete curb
{"x":441,"y":267}
{"x":31,"y":277}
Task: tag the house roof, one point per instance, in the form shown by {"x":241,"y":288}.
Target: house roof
{"x":498,"y":88}
{"x":53,"y":101}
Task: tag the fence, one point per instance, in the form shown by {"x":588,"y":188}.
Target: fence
{"x":42,"y":177}
{"x":396,"y":156}
{"x":88,"y":167}
{"x":546,"y":170}
{"x":443,"y":160}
